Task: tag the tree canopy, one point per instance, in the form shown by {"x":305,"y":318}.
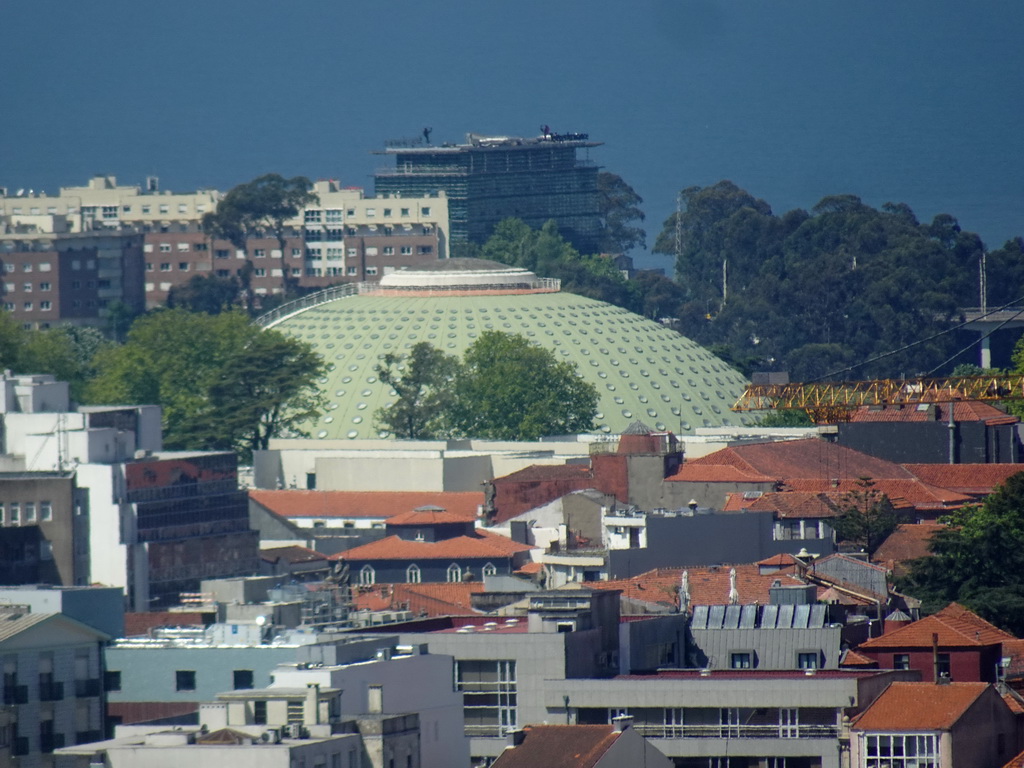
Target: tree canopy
{"x":504,"y":388}
{"x":260,"y":206}
{"x":620,"y":213}
{"x":222,"y":382}
{"x":423,"y":382}
{"x":866,"y":517}
{"x":816,"y":292}
{"x":65,"y":351}
{"x":978,"y":560}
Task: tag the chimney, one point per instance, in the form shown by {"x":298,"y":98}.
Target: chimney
{"x":375,"y":699}
{"x":935,"y":656}
{"x":311,"y":716}
{"x":515,"y":736}
{"x":622,"y":723}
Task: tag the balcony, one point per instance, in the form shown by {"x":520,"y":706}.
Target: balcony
{"x":486,"y":730}
{"x":85,"y":688}
{"x":15,"y":694}
{"x":736,"y":731}
{"x":51,"y":691}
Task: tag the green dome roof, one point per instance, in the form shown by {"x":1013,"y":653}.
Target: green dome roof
{"x":641,"y":369}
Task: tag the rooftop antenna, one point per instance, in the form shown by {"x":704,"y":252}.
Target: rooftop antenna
{"x":426,"y":135}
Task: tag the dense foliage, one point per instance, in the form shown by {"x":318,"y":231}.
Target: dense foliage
{"x":978,"y":560}
{"x":66,"y":352}
{"x":504,"y":388}
{"x":222,"y":382}
{"x":820,"y":293}
{"x":866,"y":517}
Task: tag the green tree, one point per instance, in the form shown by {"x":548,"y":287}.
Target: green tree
{"x":866,"y":518}
{"x":220,"y":381}
{"x":788,"y":417}
{"x":205,"y":293}
{"x":619,"y":205}
{"x":423,"y":382}
{"x":261,"y":206}
{"x":978,"y":560}
{"x":511,"y":389}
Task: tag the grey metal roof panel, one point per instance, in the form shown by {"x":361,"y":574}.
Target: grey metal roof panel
{"x":769,"y":617}
{"x":700,"y":617}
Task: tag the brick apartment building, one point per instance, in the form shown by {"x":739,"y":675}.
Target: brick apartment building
{"x":67,"y":258}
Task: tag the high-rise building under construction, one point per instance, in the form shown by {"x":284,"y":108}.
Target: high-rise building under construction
{"x":490,"y":178}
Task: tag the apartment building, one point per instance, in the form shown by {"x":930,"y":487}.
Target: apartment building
{"x":69,"y":256}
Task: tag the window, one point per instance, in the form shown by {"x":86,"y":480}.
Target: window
{"x":2,"y":518}
{"x":333,"y":215}
{"x":489,"y":695}
{"x":371,"y":250}
{"x":259,"y":712}
{"x":404,"y":211}
{"x":454,"y":572}
{"x":45,"y":511}
{"x":490,"y":570}
{"x":243,"y":679}
{"x":183,"y":266}
{"x":897,"y":750}
{"x":44,"y":266}
{"x":165,"y":266}
{"x":901,"y":661}
{"x":313,"y":217}
{"x":112,"y":680}
{"x":371,"y":212}
{"x":371,"y":270}
{"x":183,"y":246}
{"x":351,"y":271}
{"x":182,"y":208}
{"x":198,"y":247}
{"x":46,"y":306}
{"x":109,"y":211}
{"x":412,"y":574}
{"x":426,"y":249}
{"x":943,"y":664}
{"x":260,"y":253}
{"x":367,"y":575}
{"x":165,"y":247}
{"x":44,"y":286}
{"x":30,"y":511}
{"x":15,"y":512}
{"x":260,"y":272}
{"x":406,"y":250}
{"x":222,"y":253}
{"x":27,"y":287}
{"x":807,"y":660}
{"x":741,"y":660}
{"x":27,"y":306}
{"x":425,"y":210}
{"x":389,"y":250}
{"x":185,"y":680}
{"x":296,"y":253}
{"x":147,"y":209}
{"x":313,"y":235}
{"x":387,"y":213}
{"x":26,"y":267}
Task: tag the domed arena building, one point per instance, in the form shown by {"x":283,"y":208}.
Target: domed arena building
{"x":641,"y":369}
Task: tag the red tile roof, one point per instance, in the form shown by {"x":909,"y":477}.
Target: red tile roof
{"x":955,"y":625}
{"x":796,"y":505}
{"x":709,"y":585}
{"x":1014,"y":703}
{"x":441,"y":599}
{"x":538,"y":472}
{"x":962,"y":411}
{"x":975,"y":479}
{"x":374,"y":504}
{"x":919,"y":707}
{"x":853,"y":659}
{"x":908,"y":542}
{"x":395,"y":548}
{"x":428,"y":515}
{"x":531,"y":568}
{"x":1015,"y":650}
{"x":781,"y":560}
{"x":559,"y":746}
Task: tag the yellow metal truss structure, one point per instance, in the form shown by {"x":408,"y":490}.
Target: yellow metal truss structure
{"x":834,"y":401}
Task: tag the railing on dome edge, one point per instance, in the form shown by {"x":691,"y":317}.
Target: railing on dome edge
{"x":547,"y":284}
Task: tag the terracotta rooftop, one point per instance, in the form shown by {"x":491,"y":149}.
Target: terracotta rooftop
{"x":919,"y":707}
{"x":538,"y":472}
{"x":853,"y":659}
{"x":374,"y":504}
{"x":137,"y":624}
{"x":962,"y":411}
{"x":796,"y":505}
{"x":955,"y":625}
{"x":709,"y":585}
{"x":908,"y":542}
{"x":975,"y":479}
{"x":781,"y":560}
{"x":440,"y":599}
{"x":395,"y":548}
{"x":559,"y":746}
{"x":428,"y":515}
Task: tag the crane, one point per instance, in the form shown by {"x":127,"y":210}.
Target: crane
{"x":830,"y":402}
